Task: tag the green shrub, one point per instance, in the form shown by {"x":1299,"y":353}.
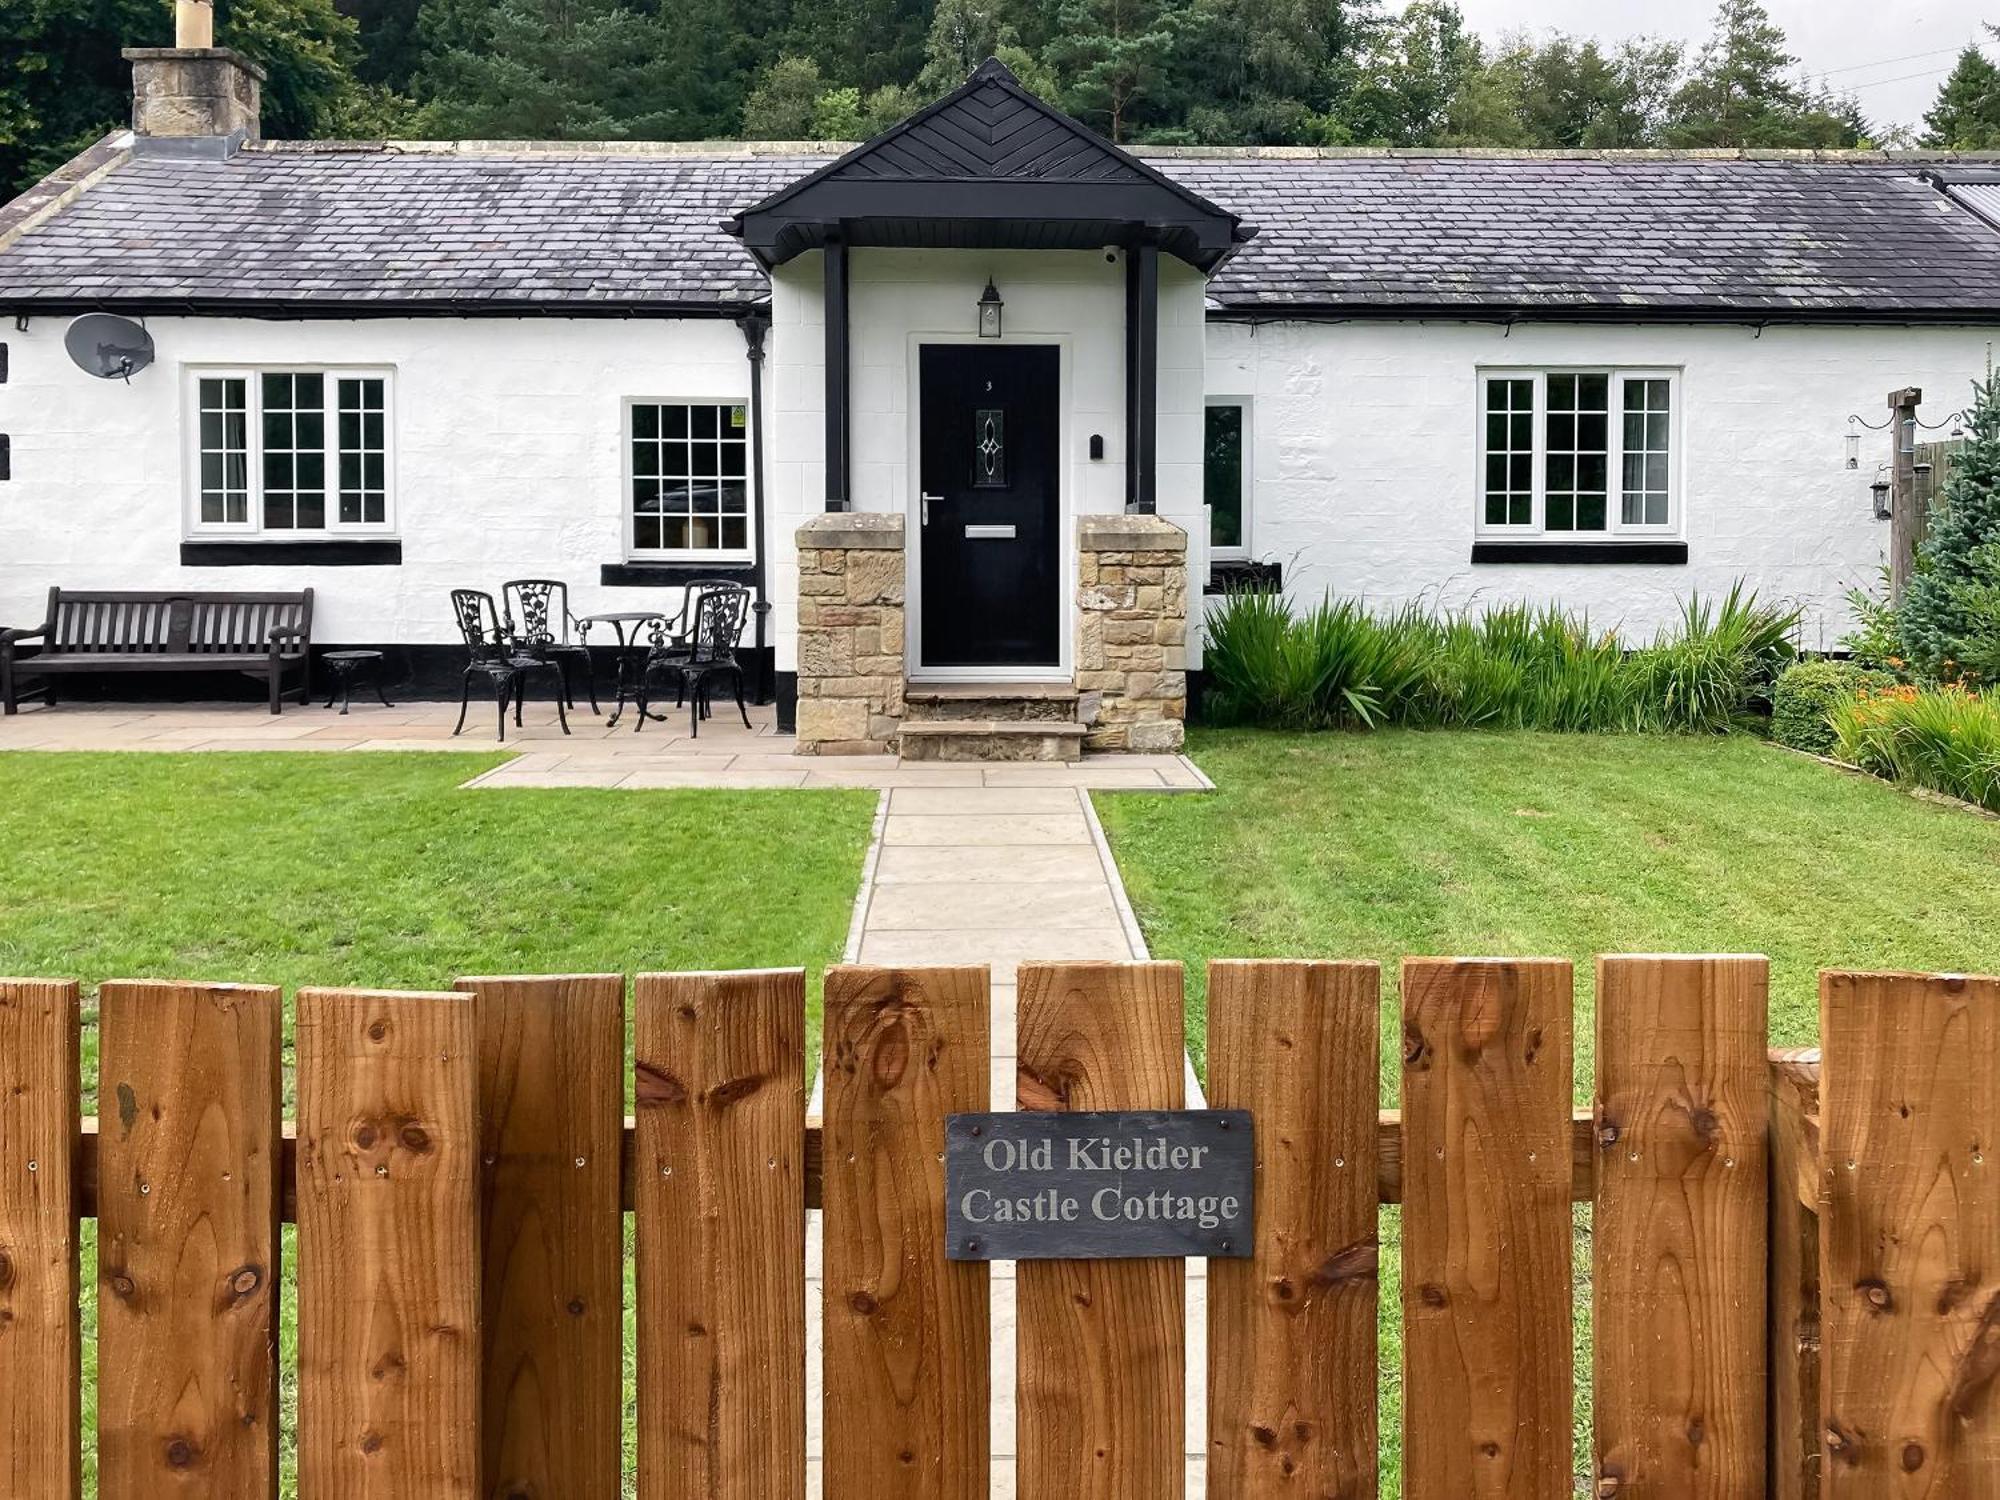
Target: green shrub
{"x":1806,"y":695}
{"x":1947,"y":739}
{"x":1877,"y":637}
{"x":1950,"y":613}
{"x":1510,"y":667}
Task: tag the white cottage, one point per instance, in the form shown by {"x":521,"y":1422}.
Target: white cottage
{"x":976,"y":407}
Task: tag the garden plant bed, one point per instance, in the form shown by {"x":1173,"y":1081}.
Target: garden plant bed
{"x":1378,"y":845}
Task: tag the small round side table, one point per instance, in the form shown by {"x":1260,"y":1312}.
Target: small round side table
{"x":346,"y":666}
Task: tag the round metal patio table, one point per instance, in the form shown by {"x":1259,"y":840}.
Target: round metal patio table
{"x":631,"y":656}
{"x":345,"y":667}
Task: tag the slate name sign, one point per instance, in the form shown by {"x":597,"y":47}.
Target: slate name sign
{"x":1101,"y":1185}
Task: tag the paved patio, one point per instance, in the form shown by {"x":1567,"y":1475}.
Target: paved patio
{"x":725,"y":754}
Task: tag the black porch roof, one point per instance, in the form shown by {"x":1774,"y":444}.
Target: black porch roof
{"x":989,"y":166}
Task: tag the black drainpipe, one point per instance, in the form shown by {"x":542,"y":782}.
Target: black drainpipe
{"x":754,"y":326}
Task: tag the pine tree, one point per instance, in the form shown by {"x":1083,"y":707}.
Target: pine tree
{"x":1114,"y":56}
{"x":1966,"y":116}
{"x":864,"y":44}
{"x":1950,"y":612}
{"x":1263,"y":72}
{"x":1742,"y":91}
{"x":545,"y":70}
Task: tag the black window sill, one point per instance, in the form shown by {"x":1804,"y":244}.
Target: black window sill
{"x":1227,"y":575}
{"x":646,"y":575}
{"x":1571,"y":553}
{"x":373,"y":552}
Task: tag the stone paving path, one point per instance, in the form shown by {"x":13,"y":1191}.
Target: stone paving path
{"x":725,"y":754}
{"x":996,"y":875}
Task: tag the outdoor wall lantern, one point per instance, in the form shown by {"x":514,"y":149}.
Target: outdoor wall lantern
{"x":989,"y":311}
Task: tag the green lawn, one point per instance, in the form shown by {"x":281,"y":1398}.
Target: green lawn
{"x":1381,"y":845}
{"x":376,"y":870}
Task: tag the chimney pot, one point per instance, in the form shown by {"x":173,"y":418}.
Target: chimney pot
{"x":194,"y":23}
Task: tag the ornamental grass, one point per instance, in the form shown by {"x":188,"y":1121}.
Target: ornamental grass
{"x":1946,"y":739}
{"x":1511,"y":666}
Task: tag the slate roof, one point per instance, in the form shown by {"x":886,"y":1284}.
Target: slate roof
{"x":1752,"y":235}
{"x":319,"y":228}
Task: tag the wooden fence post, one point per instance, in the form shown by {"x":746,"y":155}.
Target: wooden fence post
{"x":1100,"y":1409}
{"x":1679,"y":1233}
{"x":187,"y":1239}
{"x":1905,"y":517}
{"x":906,"y":1329}
{"x":1292,"y":1333}
{"x":388,"y":1246}
{"x":1794,"y":1276}
{"x":551,"y":1121}
{"x":1487,"y":1385}
{"x":721,"y":1215}
{"x":41,"y":1377}
{"x":1910,"y":1236}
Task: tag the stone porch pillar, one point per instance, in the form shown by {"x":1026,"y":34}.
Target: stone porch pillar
{"x":851,"y":593}
{"x":1131,"y":649}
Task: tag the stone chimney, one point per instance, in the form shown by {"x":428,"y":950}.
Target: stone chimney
{"x":203,"y":98}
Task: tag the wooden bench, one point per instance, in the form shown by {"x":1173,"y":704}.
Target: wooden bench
{"x":261,"y":635}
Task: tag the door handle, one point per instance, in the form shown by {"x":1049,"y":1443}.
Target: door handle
{"x":927,"y":499}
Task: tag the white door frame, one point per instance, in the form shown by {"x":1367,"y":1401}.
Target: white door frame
{"x":1067,"y":481}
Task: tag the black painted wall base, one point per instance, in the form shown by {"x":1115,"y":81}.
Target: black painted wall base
{"x":419,"y":674}
{"x":788,"y":702}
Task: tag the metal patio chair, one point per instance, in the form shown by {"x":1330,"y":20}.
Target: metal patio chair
{"x":712,"y":627}
{"x":491,"y":654}
{"x":537,"y":615}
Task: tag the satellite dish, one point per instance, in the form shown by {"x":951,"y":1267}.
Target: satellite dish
{"x":111,"y":348}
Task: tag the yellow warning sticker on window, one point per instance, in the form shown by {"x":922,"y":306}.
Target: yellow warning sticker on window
{"x":735,"y":416}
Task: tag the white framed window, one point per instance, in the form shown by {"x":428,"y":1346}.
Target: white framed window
{"x":1225,"y":476}
{"x":687,"y":481}
{"x":292,"y":453}
{"x":1579,"y":453}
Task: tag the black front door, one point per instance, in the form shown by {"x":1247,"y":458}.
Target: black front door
{"x":989,"y":455}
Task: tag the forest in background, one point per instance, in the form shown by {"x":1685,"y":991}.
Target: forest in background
{"x":1171,"y":72}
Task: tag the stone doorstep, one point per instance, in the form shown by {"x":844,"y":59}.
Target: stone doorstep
{"x":991,"y":740}
{"x":1010,"y":702}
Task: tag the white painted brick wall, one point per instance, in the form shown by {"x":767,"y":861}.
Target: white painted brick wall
{"x":508,"y":438}
{"x":507,"y":449}
{"x":1366,"y":456}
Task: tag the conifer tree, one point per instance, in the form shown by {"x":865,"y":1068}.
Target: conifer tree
{"x":1950,"y":612}
{"x":544,"y":70}
{"x":1966,"y":116}
{"x":1742,"y":91}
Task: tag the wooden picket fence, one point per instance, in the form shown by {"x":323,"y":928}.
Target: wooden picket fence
{"x":1796,"y":1257}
